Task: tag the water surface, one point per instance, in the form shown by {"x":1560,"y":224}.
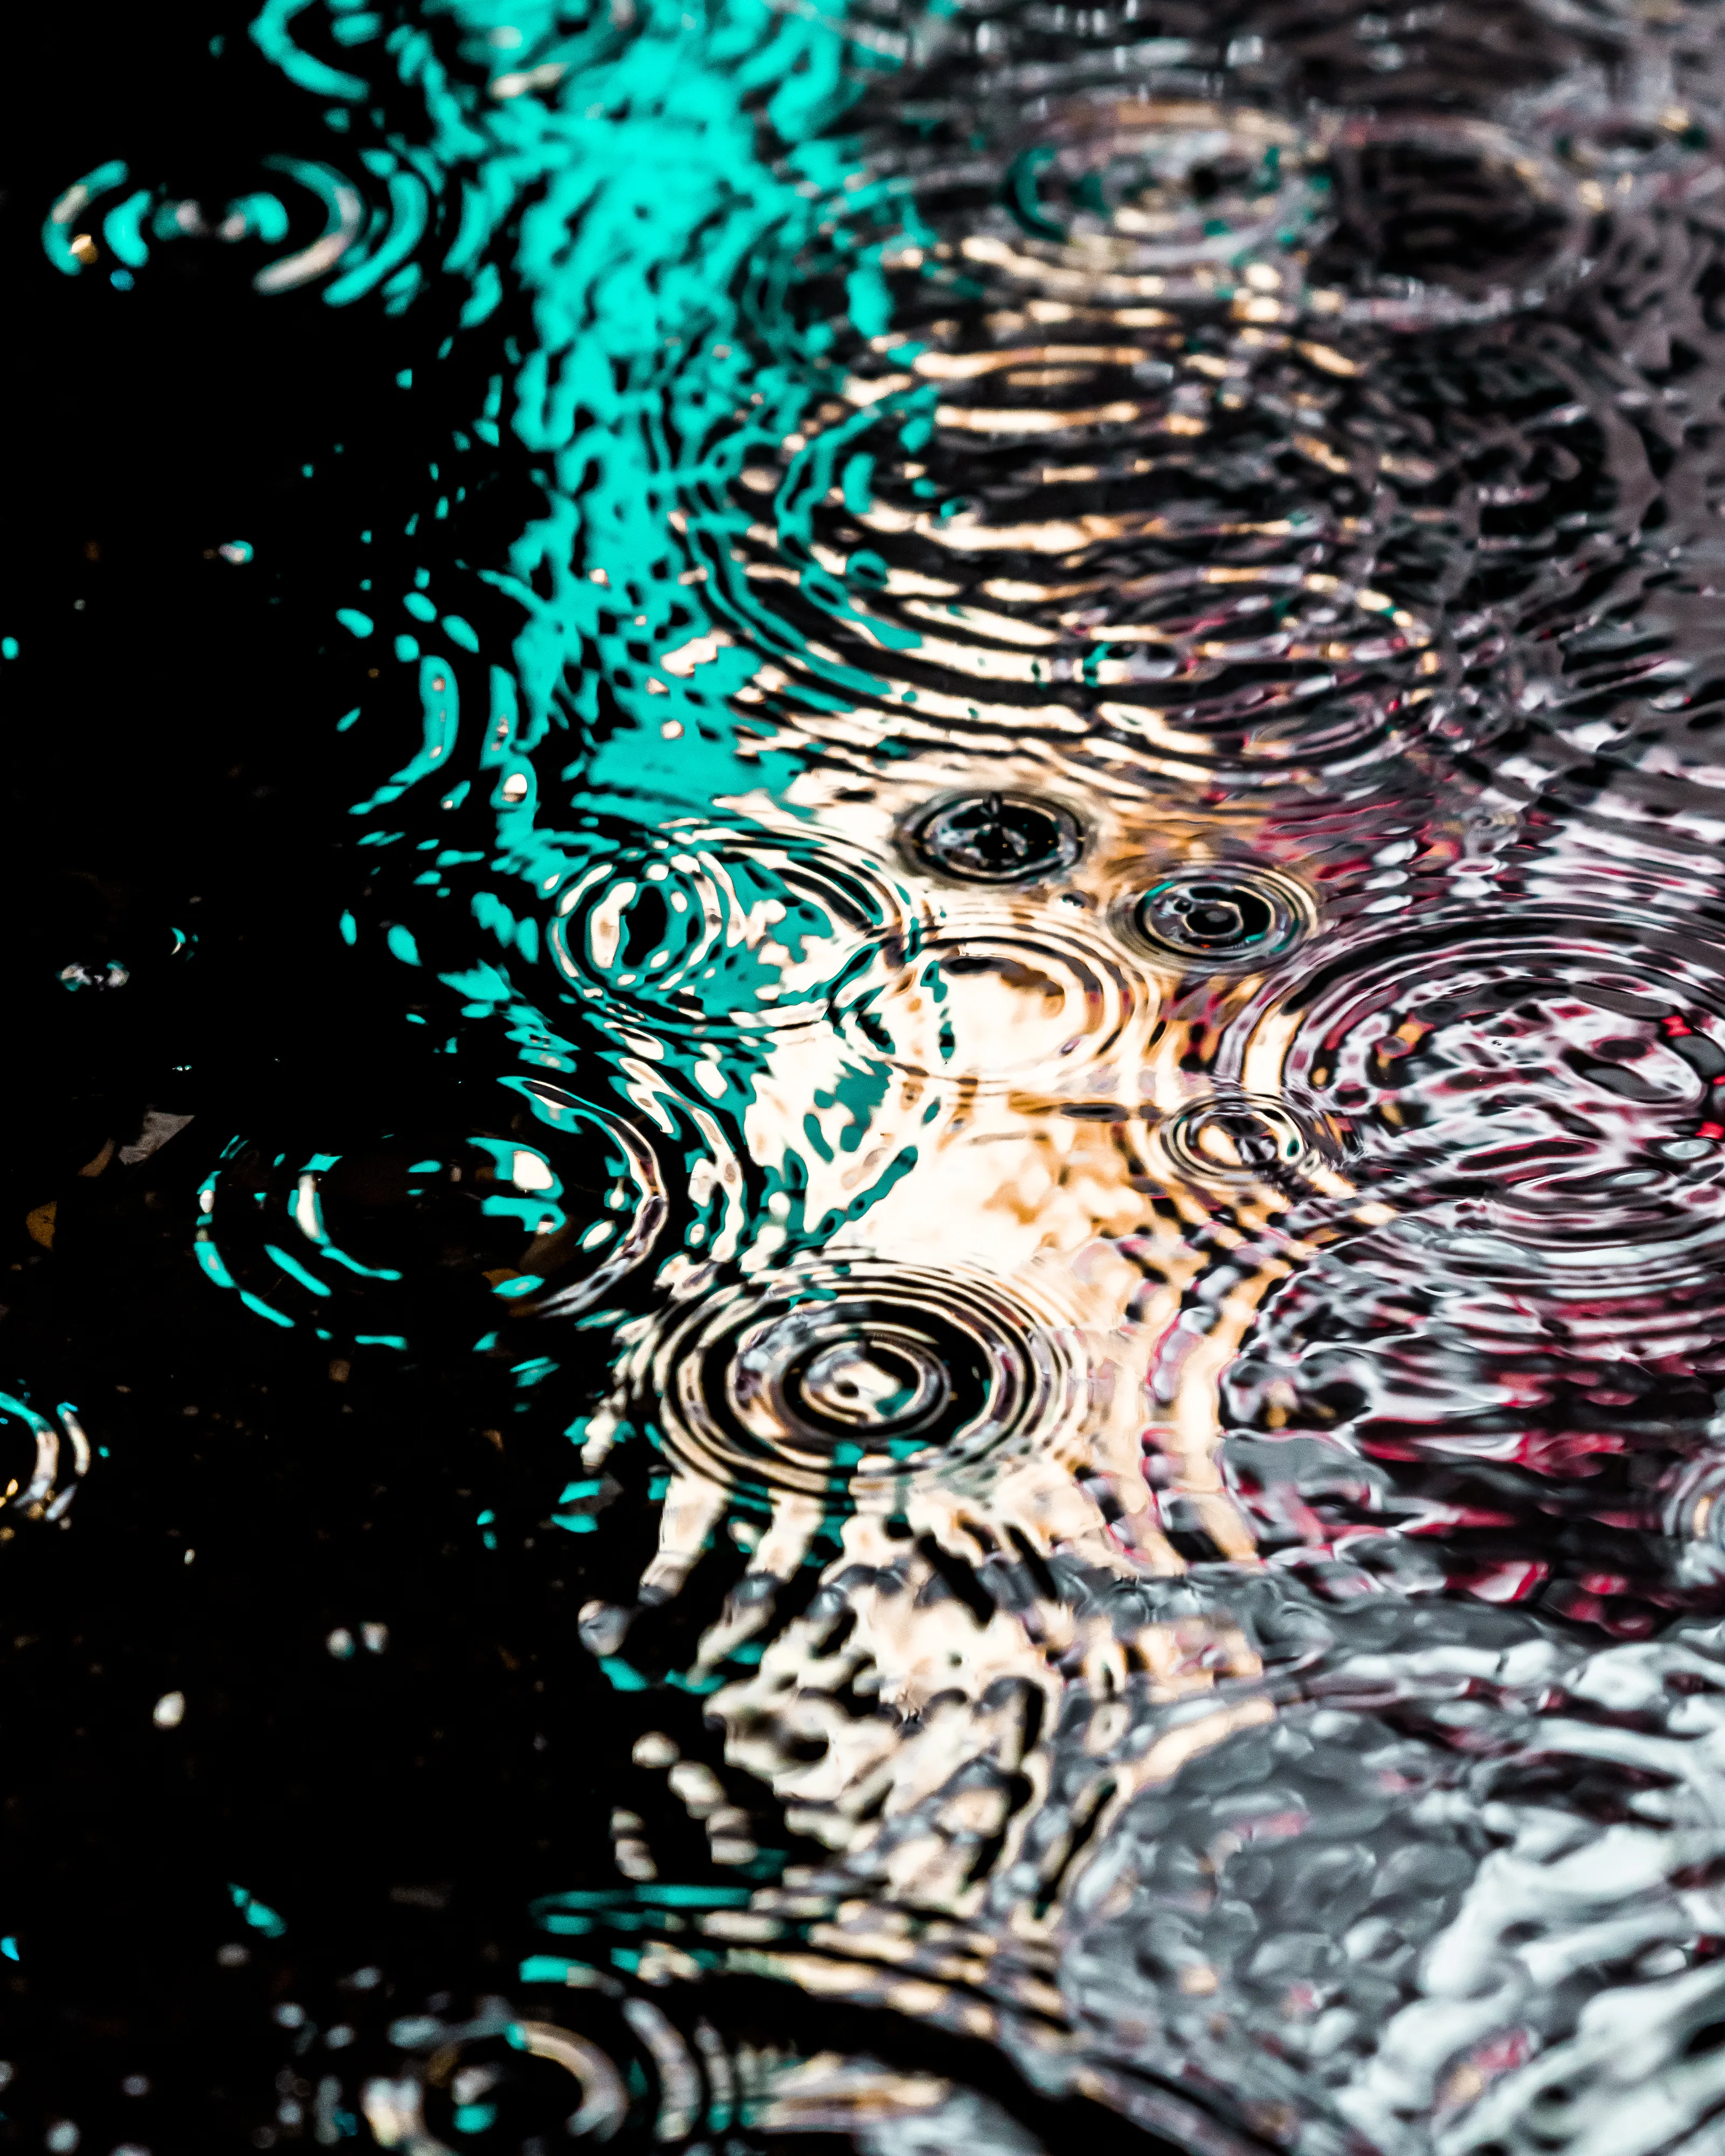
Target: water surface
{"x":870,"y":1080}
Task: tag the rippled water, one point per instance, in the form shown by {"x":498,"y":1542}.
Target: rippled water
{"x":986,"y":1038}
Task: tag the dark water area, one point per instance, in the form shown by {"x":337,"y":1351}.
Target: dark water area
{"x":865,"y":1214}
